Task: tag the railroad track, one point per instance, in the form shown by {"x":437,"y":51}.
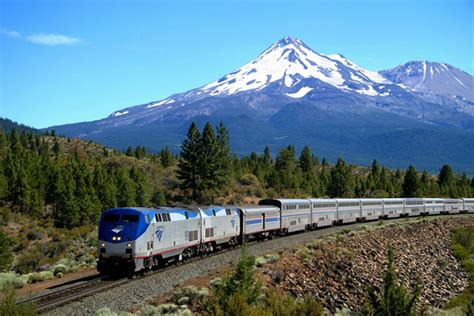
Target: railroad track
{"x":55,"y":298}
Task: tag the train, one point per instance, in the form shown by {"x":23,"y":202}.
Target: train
{"x":138,"y":239}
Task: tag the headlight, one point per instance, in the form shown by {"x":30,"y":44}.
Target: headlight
{"x":102,"y":244}
{"x":119,"y":238}
{"x":129,"y":245}
{"x":114,"y":238}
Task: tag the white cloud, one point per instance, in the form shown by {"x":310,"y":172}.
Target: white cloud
{"x":10,"y":33}
{"x":52,"y":39}
{"x":42,"y":38}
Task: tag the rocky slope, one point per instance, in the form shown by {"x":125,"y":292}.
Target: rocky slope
{"x":339,"y":271}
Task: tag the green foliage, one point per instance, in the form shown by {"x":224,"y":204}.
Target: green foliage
{"x":240,"y":287}
{"x":463,"y":247}
{"x":9,"y":307}
{"x":285,"y":305}
{"x":411,"y":183}
{"x":341,"y":181}
{"x":394,"y":298}
{"x":166,"y":157}
{"x":205,"y":161}
{"x":5,"y":252}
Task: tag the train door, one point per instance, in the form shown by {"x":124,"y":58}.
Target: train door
{"x":263,"y":221}
{"x":242,"y":223}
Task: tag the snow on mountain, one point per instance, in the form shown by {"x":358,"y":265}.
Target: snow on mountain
{"x":432,"y":77}
{"x":290,"y":60}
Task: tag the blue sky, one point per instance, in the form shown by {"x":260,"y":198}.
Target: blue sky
{"x":68,"y":61}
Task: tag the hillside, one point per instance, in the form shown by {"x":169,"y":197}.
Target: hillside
{"x":8,"y":125}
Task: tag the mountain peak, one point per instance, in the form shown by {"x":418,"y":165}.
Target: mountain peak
{"x":287,"y":40}
{"x":293,"y":65}
{"x":427,"y":77}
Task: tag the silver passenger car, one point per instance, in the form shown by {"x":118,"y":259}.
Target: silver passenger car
{"x":323,"y":212}
{"x":393,"y":208}
{"x":414,"y":206}
{"x":295,"y":213}
{"x":259,"y":220}
{"x":468,"y":205}
{"x":348,"y":210}
{"x":453,"y":206}
{"x":371,"y":209}
{"x":434,"y":205}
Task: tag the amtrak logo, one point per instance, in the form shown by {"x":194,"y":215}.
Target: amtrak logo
{"x":232,"y":221}
{"x":117,"y":229}
{"x":159,"y":232}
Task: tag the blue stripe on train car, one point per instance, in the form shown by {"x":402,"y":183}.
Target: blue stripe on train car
{"x":275,"y":219}
{"x":253,"y":221}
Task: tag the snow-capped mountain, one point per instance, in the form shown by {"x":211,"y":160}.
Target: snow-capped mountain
{"x":432,"y":77}
{"x":293,"y":94}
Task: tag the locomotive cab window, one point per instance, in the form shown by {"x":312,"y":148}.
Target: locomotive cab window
{"x":111,"y":218}
{"x":130,"y":218}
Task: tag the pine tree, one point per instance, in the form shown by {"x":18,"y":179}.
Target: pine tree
{"x":141,"y":194}
{"x":166,"y":157}
{"x":375,"y":168}
{"x":341,"y":180}
{"x":106,"y":188}
{"x":425,"y":185}
{"x":209,"y":162}
{"x":411,"y":183}
{"x":394,"y":299}
{"x":158,"y":198}
{"x":286,"y":174}
{"x":223,"y":156}
{"x":188,"y":163}
{"x":306,"y":160}
{"x":446,"y":179}
{"x":129,"y":151}
{"x":126,"y":189}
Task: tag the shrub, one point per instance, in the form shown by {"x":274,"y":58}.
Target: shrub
{"x":260,"y":261}
{"x":272,"y":258}
{"x":105,"y":311}
{"x":249,"y":179}
{"x":27,"y":262}
{"x":8,"y":305}
{"x":10,"y":279}
{"x":5,"y":252}
{"x":463,"y":248}
{"x":240,"y":287}
{"x":215,"y":282}
{"x":394,"y":298}
{"x":59,"y":268}
{"x":304,"y":254}
{"x":150,"y":310}
{"x":280,"y":304}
